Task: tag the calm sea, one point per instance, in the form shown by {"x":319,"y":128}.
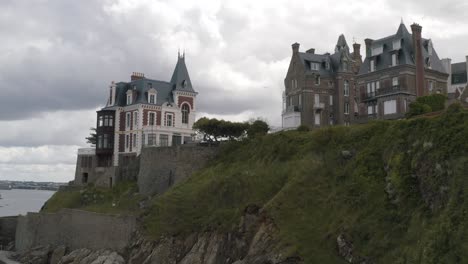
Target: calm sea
{"x":15,"y":202}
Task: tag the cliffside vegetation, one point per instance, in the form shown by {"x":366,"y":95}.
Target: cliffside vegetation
{"x":392,"y":191}
{"x":397,"y":191}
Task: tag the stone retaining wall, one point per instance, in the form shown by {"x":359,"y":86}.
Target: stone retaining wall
{"x":74,"y":229}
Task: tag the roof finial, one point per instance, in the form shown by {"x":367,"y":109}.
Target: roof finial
{"x":402,"y":21}
{"x":178,"y":54}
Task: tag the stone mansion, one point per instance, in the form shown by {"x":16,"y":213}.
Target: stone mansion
{"x":140,"y":112}
{"x":342,"y":88}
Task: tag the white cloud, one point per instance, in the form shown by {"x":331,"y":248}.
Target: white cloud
{"x":61,"y":59}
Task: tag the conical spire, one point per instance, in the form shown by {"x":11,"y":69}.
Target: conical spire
{"x":180,"y":78}
{"x":341,"y":44}
{"x":402,"y":30}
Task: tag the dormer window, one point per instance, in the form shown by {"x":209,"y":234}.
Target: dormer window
{"x":394,"y":59}
{"x":396,"y":44}
{"x":152,"y":96}
{"x":314,"y":66}
{"x":377,"y":50}
{"x":129,"y":97}
{"x":184,"y":83}
{"x":327,"y":65}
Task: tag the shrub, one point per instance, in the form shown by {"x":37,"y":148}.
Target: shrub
{"x":303,"y":128}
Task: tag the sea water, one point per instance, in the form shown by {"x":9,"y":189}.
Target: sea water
{"x":15,"y":202}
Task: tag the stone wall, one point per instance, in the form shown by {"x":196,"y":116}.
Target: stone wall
{"x":162,"y":167}
{"x":7,"y":230}
{"x":74,"y":229}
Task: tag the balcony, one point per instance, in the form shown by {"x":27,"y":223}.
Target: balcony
{"x":384,"y":91}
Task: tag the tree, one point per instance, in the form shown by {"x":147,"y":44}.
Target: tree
{"x":426,"y":104}
{"x":92,"y":139}
{"x":257,"y":128}
{"x":213,"y":129}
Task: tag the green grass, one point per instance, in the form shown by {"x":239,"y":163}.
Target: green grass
{"x":313,"y":193}
{"x":120,"y":199}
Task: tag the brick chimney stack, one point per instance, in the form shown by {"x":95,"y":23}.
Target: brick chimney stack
{"x":137,"y":76}
{"x":418,"y":59}
{"x":368,"y":47}
{"x":295,"y":47}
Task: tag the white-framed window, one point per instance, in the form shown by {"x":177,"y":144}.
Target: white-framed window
{"x":431,"y":86}
{"x":316,"y":99}
{"x":186,"y":112}
{"x":152,"y":118}
{"x":152,"y":98}
{"x":127,"y":142}
{"x":300,"y":99}
{"x":163,"y":140}
{"x":377,"y":85}
{"x":135,"y":120}
{"x":394,"y":59}
{"x":128,"y":120}
{"x":346,"y":88}
{"x":331,"y":99}
{"x":346,"y":108}
{"x":370,"y":109}
{"x":373,"y":87}
{"x":314,"y":66}
{"x":151,"y":139}
{"x":317,"y":119}
{"x":372,"y":65}
{"x":129,"y":97}
{"x":134,"y":140}
{"x":390,"y":107}
{"x":169,"y":120}
{"x":395,"y":81}
{"x":317,"y":79}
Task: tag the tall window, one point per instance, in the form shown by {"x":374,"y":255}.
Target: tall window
{"x":431,"y":86}
{"x":331,"y":99}
{"x":169,"y":121}
{"x":317,"y":119}
{"x":395,"y":81}
{"x":185,"y":113}
{"x":127,"y":142}
{"x":129,"y":119}
{"x":129,"y":99}
{"x":152,"y":139}
{"x":100,"y":140}
{"x":152,"y":118}
{"x":100,"y":121}
{"x":394,"y":59}
{"x":317,"y":79}
{"x":346,"y":88}
{"x":316,"y":99}
{"x":134,"y":140}
{"x":151,"y":98}
{"x":135,"y":119}
{"x":164,"y":140}
{"x":106,"y":141}
{"x":346,"y":108}
{"x":372,"y":65}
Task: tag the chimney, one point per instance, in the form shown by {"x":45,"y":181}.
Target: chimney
{"x":295,"y":47}
{"x":368,"y":47}
{"x":418,"y":59}
{"x":137,"y":76}
{"x":357,"y":50}
{"x":311,"y":51}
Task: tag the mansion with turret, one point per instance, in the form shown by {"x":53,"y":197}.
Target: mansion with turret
{"x":342,"y":88}
{"x":140,"y":112}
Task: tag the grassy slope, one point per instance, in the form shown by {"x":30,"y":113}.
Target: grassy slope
{"x":313,"y":193}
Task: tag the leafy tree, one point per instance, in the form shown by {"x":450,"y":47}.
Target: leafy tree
{"x":427,"y":104}
{"x":92,"y":138}
{"x":257,"y":128}
{"x":213,"y":129}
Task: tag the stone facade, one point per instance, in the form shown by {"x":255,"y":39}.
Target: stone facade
{"x":320,"y":88}
{"x":161,"y":168}
{"x":398,"y":69}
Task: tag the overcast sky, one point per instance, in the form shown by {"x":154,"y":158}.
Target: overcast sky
{"x":58,"y":57}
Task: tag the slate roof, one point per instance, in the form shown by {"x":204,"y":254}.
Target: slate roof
{"x":334,"y":60}
{"x":459,"y":73}
{"x":180,"y":81}
{"x":405,"y":55}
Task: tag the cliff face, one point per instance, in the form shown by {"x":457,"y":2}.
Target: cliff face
{"x":254,"y":241}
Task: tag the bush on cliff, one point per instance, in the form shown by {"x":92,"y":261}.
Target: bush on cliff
{"x":427,"y":104}
{"x":400,"y":193}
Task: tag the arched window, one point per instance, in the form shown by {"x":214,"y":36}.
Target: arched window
{"x":185,"y":113}
{"x":346,"y":88}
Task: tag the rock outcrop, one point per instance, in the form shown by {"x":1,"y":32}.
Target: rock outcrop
{"x":253,"y":242}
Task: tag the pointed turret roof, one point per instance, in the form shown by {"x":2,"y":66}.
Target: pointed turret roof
{"x":341,"y":44}
{"x":180,"y":78}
